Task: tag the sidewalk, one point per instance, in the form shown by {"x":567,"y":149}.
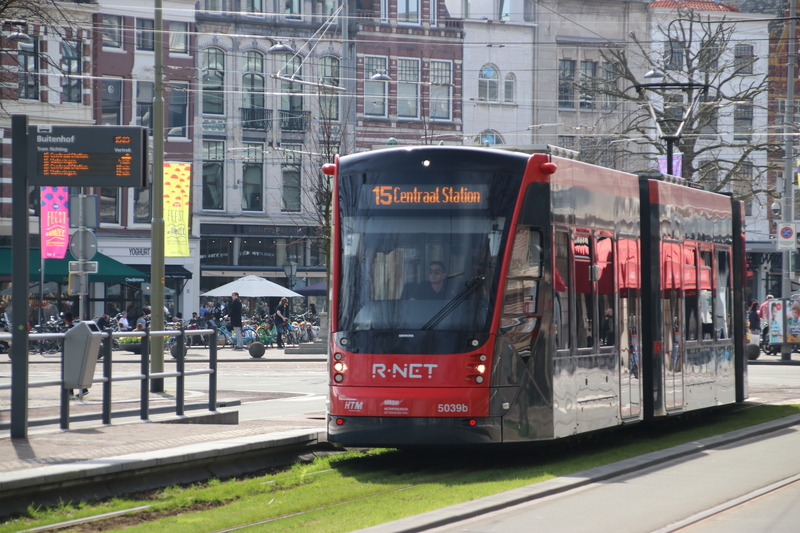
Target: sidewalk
{"x":91,"y":459}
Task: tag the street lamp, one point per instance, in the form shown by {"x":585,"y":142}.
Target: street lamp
{"x":684,"y":86}
{"x":290,"y":269}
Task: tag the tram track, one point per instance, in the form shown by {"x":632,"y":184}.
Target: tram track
{"x":730,"y":505}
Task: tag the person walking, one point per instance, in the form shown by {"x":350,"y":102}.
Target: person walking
{"x":754,"y":320}
{"x":281,"y":322}
{"x":235,"y":316}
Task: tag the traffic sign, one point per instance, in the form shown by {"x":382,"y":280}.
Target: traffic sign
{"x":787,"y":237}
{"x":78,"y":283}
{"x":87,"y":267}
{"x":83,"y":244}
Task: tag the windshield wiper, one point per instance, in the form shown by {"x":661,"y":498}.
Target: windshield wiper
{"x":470,"y":287}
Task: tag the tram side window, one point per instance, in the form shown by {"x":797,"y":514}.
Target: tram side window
{"x":690,"y":294}
{"x":671,"y":285}
{"x":723,"y":298}
{"x":561,"y":324}
{"x":605,"y":290}
{"x":524,"y":269}
{"x":584,"y":291}
{"x":706,"y":295}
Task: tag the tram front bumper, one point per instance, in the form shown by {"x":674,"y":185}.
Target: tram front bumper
{"x":407,"y":431}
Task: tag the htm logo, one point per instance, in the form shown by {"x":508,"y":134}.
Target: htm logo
{"x":352,"y":405}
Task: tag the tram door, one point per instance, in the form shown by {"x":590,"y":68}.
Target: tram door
{"x":672,"y":308}
{"x":628,"y":324}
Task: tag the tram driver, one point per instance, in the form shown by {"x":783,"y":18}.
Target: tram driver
{"x":436,"y":288}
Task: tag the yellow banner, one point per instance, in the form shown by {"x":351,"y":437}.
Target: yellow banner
{"x":177,"y":185}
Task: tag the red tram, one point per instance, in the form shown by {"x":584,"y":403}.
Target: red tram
{"x":487,"y":296}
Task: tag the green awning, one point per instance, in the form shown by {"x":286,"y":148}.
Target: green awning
{"x":108,"y":270}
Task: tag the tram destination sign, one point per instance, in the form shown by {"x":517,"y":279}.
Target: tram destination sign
{"x":426,"y":196}
{"x":87,"y":156}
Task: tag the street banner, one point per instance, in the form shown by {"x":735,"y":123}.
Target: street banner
{"x":177,"y":186}
{"x":677,"y":164}
{"x":54,"y":218}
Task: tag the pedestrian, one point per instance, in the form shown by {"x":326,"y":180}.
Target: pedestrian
{"x":124,"y":325}
{"x":281,"y":322}
{"x":607,"y":328}
{"x":754,"y":320}
{"x":235,"y":316}
{"x":104,"y":321}
{"x":763,"y":310}
{"x":142,"y":320}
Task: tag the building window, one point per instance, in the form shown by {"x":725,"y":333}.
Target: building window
{"x":408,"y":88}
{"x":216,"y":250}
{"x":408,"y":11}
{"x":179,"y":37}
{"x":293,"y":118}
{"x":743,"y":186}
{"x":112,"y":103}
{"x":488,"y":137}
{"x":587,"y":92}
{"x":109,"y":205}
{"x":144,"y":105}
{"x":329,"y":99}
{"x":144,"y":34}
{"x":566,"y":83}
{"x":112,"y":31}
{"x":253,"y":177}
{"x":375,"y":90}
{"x":213,"y":65}
{"x":742,"y":121}
{"x":434,"y":13}
{"x":258,"y":251}
{"x":213,"y":6}
{"x":509,"y":89}
{"x":384,"y":11}
{"x":709,"y":129}
{"x":253,"y":6}
{"x":441,"y":90}
{"x":292,"y":8}
{"x":178,"y":110}
{"x":610,"y":76}
{"x":28,"y":54}
{"x":142,"y":201}
{"x":213,"y":175}
{"x":71,"y":70}
{"x":707,"y":58}
{"x":488,"y":78}
{"x":291,"y":169}
{"x":673,"y":55}
{"x":253,"y":115}
{"x":743,"y":58}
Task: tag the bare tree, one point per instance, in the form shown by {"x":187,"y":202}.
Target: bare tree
{"x":718,"y":81}
{"x":26,"y":61}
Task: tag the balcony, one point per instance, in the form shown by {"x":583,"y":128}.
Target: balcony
{"x":256,"y":118}
{"x":295,"y":120}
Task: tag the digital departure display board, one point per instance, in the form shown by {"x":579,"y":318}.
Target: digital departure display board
{"x":87,"y":156}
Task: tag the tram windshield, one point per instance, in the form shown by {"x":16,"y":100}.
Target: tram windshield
{"x":422,"y":254}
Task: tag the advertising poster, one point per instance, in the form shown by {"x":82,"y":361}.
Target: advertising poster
{"x":776,"y":321}
{"x":177,"y":188}
{"x":54,"y":222}
{"x":793,"y":322}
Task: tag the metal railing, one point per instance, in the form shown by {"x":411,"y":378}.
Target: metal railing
{"x":144,"y":376}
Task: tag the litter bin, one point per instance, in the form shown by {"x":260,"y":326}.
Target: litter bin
{"x":81,"y":344}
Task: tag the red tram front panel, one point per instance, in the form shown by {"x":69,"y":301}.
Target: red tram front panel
{"x":410,"y":385}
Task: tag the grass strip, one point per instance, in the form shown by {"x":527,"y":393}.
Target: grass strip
{"x":360,"y":489}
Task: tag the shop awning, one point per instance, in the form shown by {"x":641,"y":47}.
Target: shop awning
{"x":170,"y":271}
{"x":108,"y":270}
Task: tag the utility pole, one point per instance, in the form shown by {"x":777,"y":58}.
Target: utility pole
{"x":787,"y":212}
{"x":157,"y":223}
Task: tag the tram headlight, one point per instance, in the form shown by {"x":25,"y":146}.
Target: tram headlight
{"x":338,"y":356}
{"x":478,"y":379}
{"x":482,"y":357}
{"x":339,"y":366}
{"x":480,"y":368}
{"x":338,"y":378}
